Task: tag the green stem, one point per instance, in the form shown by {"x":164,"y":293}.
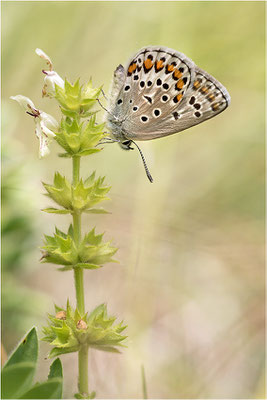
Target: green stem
{"x":78,"y":277}
{"x":83,"y":366}
{"x":75,"y":169}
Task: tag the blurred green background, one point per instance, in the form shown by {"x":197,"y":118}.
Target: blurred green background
{"x":190,"y":283}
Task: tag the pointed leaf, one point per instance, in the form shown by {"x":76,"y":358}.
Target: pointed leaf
{"x":52,"y":389}
{"x":96,"y":211}
{"x":56,"y":210}
{"x":16,"y":379}
{"x":88,"y":266}
{"x":26,"y":351}
{"x":56,"y":369}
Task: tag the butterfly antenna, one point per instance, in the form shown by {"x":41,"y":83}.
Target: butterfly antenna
{"x":144,"y":162}
{"x":101,"y":105}
{"x":102,"y":91}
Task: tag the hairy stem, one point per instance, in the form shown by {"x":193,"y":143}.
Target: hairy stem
{"x":78,"y":277}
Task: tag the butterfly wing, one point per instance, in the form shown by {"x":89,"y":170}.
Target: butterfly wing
{"x":164,"y":92}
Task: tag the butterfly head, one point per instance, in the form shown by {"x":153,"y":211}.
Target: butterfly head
{"x":126,"y":145}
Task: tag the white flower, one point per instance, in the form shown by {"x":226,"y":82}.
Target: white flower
{"x":51,"y":77}
{"x":25,"y":103}
{"x":45,"y":124}
{"x":42,"y":54}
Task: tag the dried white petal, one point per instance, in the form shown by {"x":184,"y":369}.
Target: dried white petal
{"x":43,"y":55}
{"x":25,"y":102}
{"x":45,"y":124}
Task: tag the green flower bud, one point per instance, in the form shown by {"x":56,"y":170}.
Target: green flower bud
{"x":96,"y":331}
{"x":82,"y":197}
{"x":91,"y":253}
{"x":76,"y":100}
{"x":78,"y":139}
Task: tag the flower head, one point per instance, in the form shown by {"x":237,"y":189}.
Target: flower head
{"x":45,"y":124}
{"x":51,"y":77}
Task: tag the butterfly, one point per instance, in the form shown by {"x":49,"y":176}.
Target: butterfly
{"x":160,"y":92}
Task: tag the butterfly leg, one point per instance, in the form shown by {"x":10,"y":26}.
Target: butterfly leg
{"x":107,"y":140}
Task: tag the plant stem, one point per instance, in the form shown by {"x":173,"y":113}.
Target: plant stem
{"x":75,"y":169}
{"x":83,"y":370}
{"x":78,"y":277}
{"x":144,"y":382}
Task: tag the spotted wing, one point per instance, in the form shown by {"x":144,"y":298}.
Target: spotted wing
{"x":164,"y":93}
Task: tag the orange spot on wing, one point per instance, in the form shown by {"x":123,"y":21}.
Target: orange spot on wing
{"x":180,"y":84}
{"x":170,"y":68}
{"x":196,"y":84}
{"x":132,"y":68}
{"x":211,"y":97}
{"x":177,"y":74}
{"x":148,"y":63}
{"x":215,"y":106}
{"x":204,"y":90}
{"x":159,"y":65}
{"x":179,"y":96}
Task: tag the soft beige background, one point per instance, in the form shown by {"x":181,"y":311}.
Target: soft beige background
{"x":190,"y":283}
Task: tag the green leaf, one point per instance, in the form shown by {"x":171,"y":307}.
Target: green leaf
{"x":16,"y":379}
{"x":57,"y":351}
{"x":52,"y":389}
{"x":26,"y":351}
{"x":60,"y":191}
{"x":87,"y":152}
{"x":101,"y":309}
{"x":87,"y":266}
{"x":96,"y":211}
{"x":56,"y":210}
{"x":18,"y":373}
{"x":109,"y":349}
{"x":66,"y":268}
{"x":65,"y":155}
